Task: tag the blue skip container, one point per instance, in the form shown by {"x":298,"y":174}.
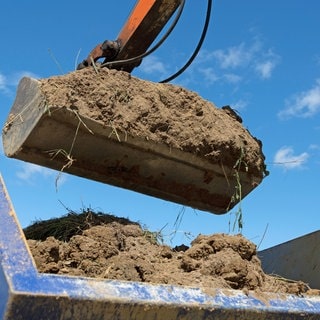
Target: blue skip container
{"x":27,"y":294}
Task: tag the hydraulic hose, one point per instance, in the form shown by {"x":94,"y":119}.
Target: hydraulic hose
{"x":197,"y":49}
{"x":111,"y":64}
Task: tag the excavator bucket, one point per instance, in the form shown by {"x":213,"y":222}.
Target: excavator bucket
{"x":156,"y":139}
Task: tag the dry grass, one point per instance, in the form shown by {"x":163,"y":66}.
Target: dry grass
{"x":71,"y":224}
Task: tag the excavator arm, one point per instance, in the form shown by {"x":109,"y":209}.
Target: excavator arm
{"x":145,"y":22}
{"x":64,"y":136}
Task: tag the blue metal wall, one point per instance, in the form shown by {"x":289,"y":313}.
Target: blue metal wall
{"x":27,"y":294}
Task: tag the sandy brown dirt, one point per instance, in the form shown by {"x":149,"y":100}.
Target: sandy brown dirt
{"x":158,"y":112}
{"x":114,"y":248}
{"x":107,"y":247}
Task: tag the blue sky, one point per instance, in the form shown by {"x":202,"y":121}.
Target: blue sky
{"x":260,"y":57}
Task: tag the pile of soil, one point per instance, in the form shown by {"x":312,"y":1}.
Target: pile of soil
{"x":107,"y":247}
{"x":104,"y":246}
{"x":162,"y":113}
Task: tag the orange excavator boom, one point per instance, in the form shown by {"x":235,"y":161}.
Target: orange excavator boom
{"x":144,"y":24}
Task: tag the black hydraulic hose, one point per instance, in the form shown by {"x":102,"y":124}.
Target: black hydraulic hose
{"x":111,"y":64}
{"x":197,"y":49}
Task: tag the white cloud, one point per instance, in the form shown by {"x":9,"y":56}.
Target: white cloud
{"x":265,"y":68}
{"x":152,"y":64}
{"x":209,"y":75}
{"x":239,"y":105}
{"x":32,"y":173}
{"x":8,"y":82}
{"x":232,"y":78}
{"x":285,"y":157}
{"x":230,"y":63}
{"x":14,"y":78}
{"x":305,"y":104}
{"x":3,"y":83}
{"x":233,"y":57}
{"x":314,"y":147}
{"x":266,"y":63}
{"x":1,"y":147}
{"x":29,"y":170}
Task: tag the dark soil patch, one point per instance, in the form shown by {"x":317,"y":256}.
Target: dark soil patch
{"x":104,"y":246}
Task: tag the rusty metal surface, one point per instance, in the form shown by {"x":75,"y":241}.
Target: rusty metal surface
{"x":46,"y":135}
{"x":142,"y":27}
{"x":27,"y":294}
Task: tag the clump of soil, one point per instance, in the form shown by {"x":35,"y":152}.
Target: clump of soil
{"x":104,"y":246}
{"x":163,"y":113}
{"x":141,"y":127}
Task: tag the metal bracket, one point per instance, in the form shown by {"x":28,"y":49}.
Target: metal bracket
{"x":145,"y":22}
